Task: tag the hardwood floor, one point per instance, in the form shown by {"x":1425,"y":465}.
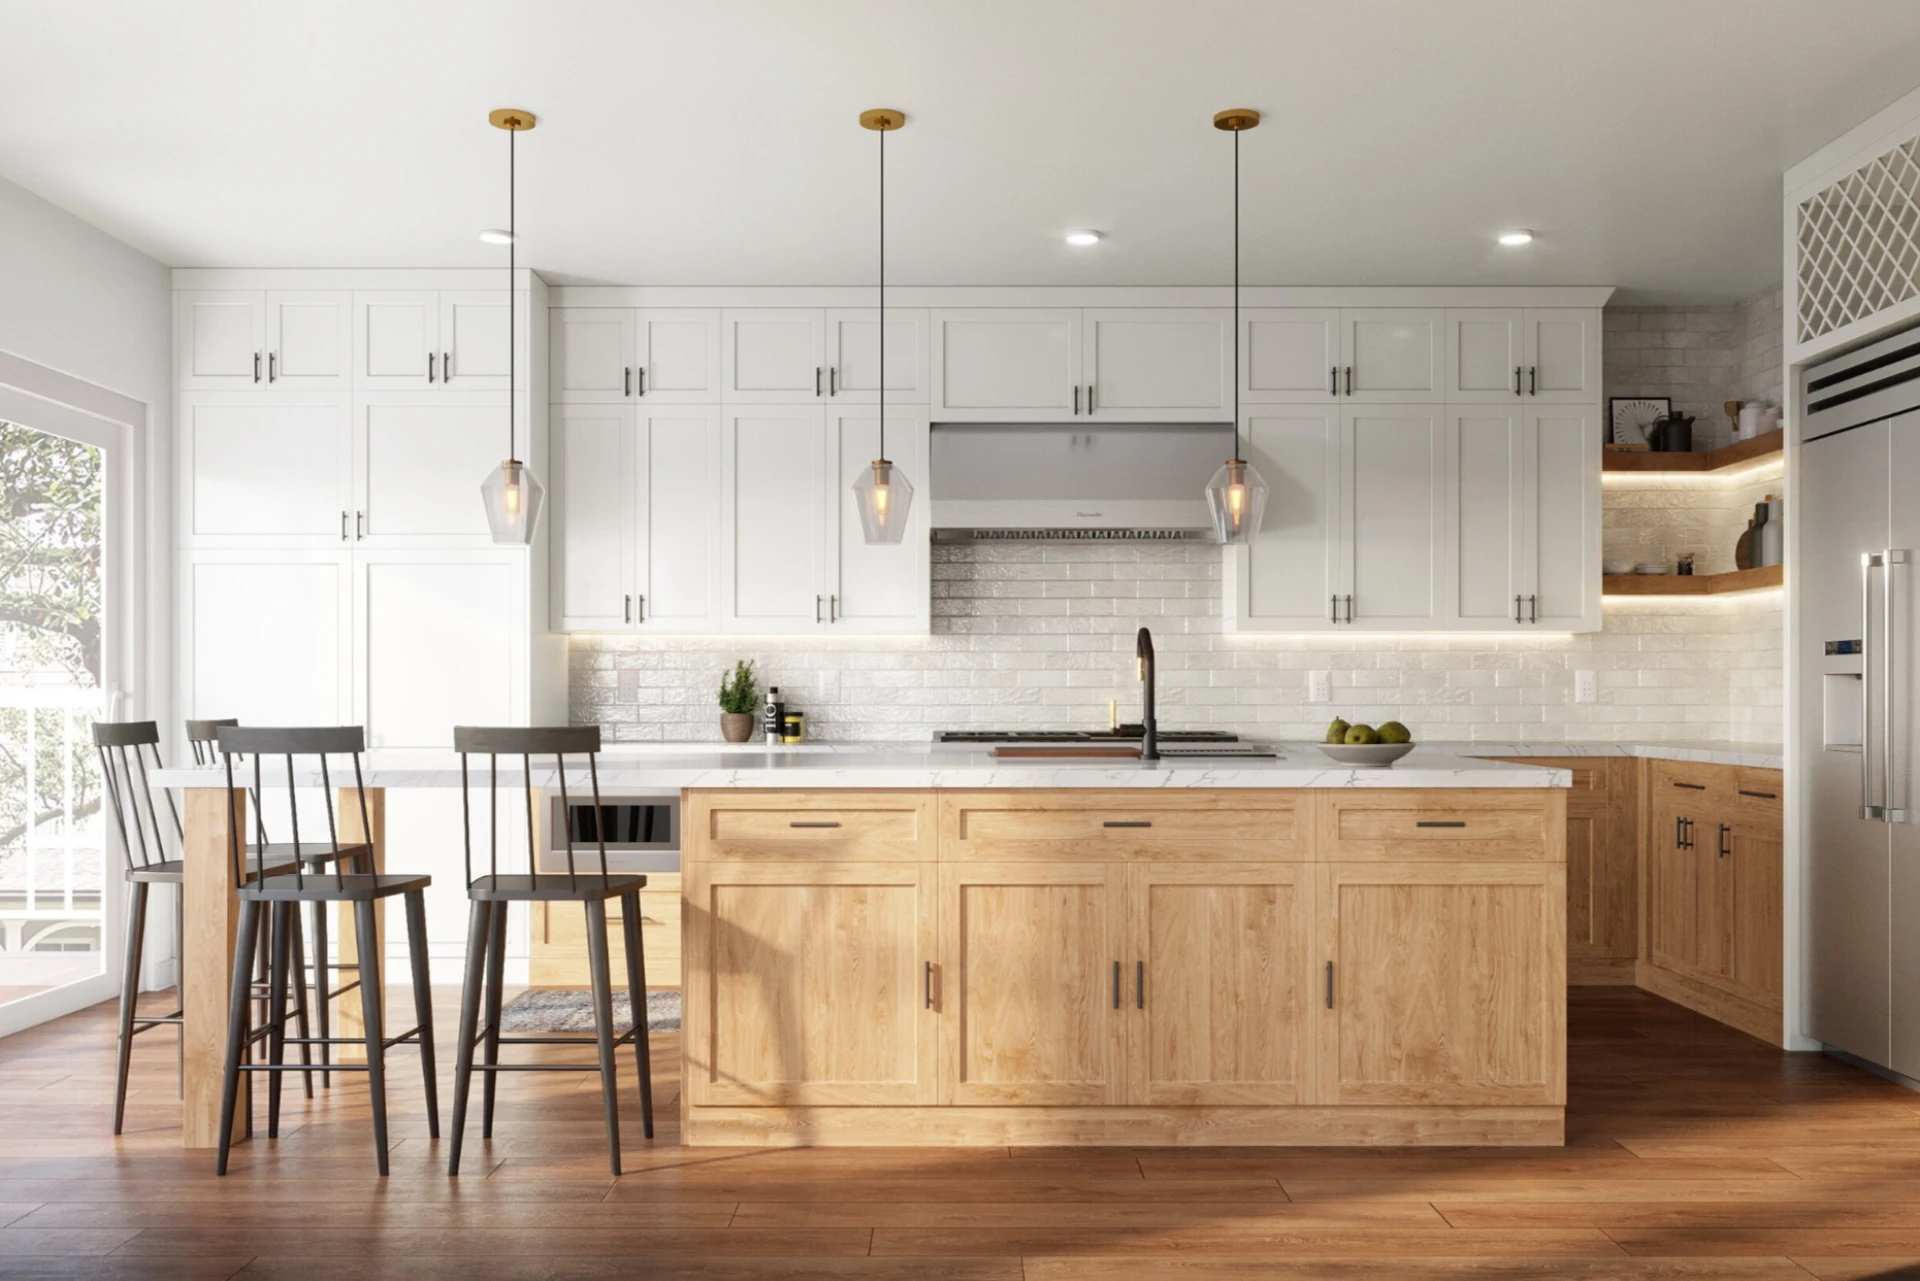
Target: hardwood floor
{"x":1693,"y":1152}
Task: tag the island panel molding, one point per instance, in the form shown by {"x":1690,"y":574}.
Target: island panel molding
{"x":1082,"y":966}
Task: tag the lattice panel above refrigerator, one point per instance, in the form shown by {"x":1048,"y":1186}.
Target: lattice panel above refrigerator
{"x":1859,"y":243}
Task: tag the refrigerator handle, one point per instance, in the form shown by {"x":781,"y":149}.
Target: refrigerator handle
{"x":1891,"y":810}
{"x":1869,"y":561}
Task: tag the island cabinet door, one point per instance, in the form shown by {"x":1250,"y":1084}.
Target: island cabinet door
{"x":1218,"y":988}
{"x":1032,"y":992}
{"x":1443,"y":984}
{"x":1673,"y":894}
{"x":810,"y":984}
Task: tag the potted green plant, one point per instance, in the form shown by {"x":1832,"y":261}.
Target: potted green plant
{"x":739,"y":699}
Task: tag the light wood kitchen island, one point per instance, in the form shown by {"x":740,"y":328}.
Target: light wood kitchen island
{"x":1319,"y":960}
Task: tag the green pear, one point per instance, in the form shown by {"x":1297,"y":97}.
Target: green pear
{"x":1360,"y":735}
{"x":1337,"y":732}
{"x":1395,"y":732}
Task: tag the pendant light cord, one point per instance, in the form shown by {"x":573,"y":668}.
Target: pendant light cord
{"x":1236,"y":293}
{"x":513,"y":249}
{"x":883,"y":293}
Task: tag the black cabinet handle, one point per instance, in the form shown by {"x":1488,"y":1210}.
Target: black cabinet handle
{"x":1764,"y":796}
{"x":1116,"y":985}
{"x":1440,"y":822}
{"x":1139,"y":985}
{"x":446,"y":366}
{"x":1333,"y":380}
{"x":626,"y":380}
{"x":833,"y":380}
{"x":626,"y":609}
{"x":430,"y":359}
{"x":640,"y":380}
{"x":1076,"y":398}
{"x":256,"y":366}
{"x":1693,"y":787}
{"x":1533,"y":609}
{"x":1516,"y":380}
{"x":798,"y":824}
{"x":929,"y":985}
{"x":1089,"y":397}
{"x":1724,"y":851}
{"x":1516,"y":610}
{"x":272,"y":361}
{"x":1349,"y":380}
{"x":1329,"y":984}
{"x":343,"y":526}
{"x":1127,"y":822}
{"x":1533,"y":380}
{"x":816,"y":379}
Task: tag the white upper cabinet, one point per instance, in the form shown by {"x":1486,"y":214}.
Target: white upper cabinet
{"x":397,"y":340}
{"x":309,"y":340}
{"x":267,"y":636}
{"x":1486,"y":355}
{"x":475,"y":346}
{"x":1292,"y":577}
{"x":1393,"y":354}
{"x":590,"y":355}
{"x":592,"y":499}
{"x":440,"y":639}
{"x":1562,"y":515}
{"x":257,"y":469}
{"x":882,"y":587}
{"x":420,"y":461}
{"x":1563,"y":355}
{"x":773,"y":482}
{"x":1487,"y":488}
{"x":853,"y":355}
{"x":1016,"y":364}
{"x":773,"y":355}
{"x":1394,"y":493}
{"x":677,"y":583}
{"x":1158,"y":364}
{"x":1290,"y":355}
{"x":676,"y":359}
{"x":220,"y":339}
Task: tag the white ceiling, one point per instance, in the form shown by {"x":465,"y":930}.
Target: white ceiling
{"x":715,"y":141}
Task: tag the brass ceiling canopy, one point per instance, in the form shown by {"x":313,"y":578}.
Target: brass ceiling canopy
{"x":1235,"y":119}
{"x":510,"y":118}
{"x":882,"y":118}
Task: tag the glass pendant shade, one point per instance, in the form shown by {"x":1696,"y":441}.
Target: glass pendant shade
{"x":1236,"y":499}
{"x":513,"y":496}
{"x":885,"y":497}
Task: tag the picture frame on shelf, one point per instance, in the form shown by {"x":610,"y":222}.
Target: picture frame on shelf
{"x":1629,"y":417}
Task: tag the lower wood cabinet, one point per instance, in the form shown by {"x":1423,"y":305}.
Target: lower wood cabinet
{"x":1416,"y":993}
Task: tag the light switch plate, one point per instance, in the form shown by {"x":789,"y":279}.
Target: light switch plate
{"x":1319,"y":687}
{"x":1586,"y":687}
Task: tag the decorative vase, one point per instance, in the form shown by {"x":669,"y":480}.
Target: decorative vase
{"x":736,"y":727}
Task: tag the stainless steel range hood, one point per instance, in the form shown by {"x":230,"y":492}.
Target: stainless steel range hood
{"x":1065,"y":481}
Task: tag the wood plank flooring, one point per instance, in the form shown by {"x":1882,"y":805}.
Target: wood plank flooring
{"x":1693,"y":1152}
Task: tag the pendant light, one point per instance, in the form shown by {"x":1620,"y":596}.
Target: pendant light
{"x":512,"y":493}
{"x":1236,"y":496}
{"x":883,"y":494}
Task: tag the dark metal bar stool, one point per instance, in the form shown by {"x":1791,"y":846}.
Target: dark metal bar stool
{"x":203,"y":737}
{"x":487,"y":933}
{"x":278,"y":896}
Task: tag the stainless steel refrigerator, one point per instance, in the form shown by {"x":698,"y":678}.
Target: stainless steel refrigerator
{"x":1858,"y":607}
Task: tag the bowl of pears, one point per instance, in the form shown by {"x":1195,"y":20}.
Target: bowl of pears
{"x":1365,"y":745}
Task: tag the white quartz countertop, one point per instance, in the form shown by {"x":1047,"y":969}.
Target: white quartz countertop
{"x":879,"y":766}
{"x":1753,"y":755}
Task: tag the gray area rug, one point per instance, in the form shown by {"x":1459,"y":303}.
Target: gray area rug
{"x":567,"y":1010}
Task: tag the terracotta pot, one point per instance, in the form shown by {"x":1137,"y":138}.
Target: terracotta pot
{"x":736,"y":727}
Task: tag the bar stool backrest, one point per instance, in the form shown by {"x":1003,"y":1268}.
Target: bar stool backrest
{"x":127,"y":749}
{"x":526,"y":742}
{"x":259,"y":742}
{"x":203,"y":737}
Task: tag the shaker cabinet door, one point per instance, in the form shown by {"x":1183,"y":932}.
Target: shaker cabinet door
{"x":1394,"y":496}
{"x":772,"y":468}
{"x":220,"y":340}
{"x":773,"y":355}
{"x":1293,"y":576}
{"x":394,"y":334}
{"x":267,"y":636}
{"x":1486,"y":355}
{"x":1290,"y":355}
{"x":421,"y":460}
{"x":266,"y":470}
{"x":1393,"y":354}
{"x":883,"y":587}
{"x":590,"y":355}
{"x":677,"y":519}
{"x":593,"y":516}
{"x":309,"y":340}
{"x":475,"y":348}
{"x":1562,"y":517}
{"x":853,"y":355}
{"x":1563,"y":355}
{"x":1487,"y":491}
{"x":1018,"y":364}
{"x":1159,"y":364}
{"x":676,"y":358}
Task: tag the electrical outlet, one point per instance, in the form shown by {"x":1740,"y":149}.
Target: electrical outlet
{"x":1319,"y":687}
{"x":1586,"y":687}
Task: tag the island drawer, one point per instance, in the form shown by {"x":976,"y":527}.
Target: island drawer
{"x":1688,"y":782}
{"x":787,"y":827}
{"x":1757,"y":792}
{"x":1419,"y":824}
{"x":1225,"y":825}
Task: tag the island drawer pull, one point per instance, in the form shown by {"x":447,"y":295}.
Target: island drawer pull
{"x":1693,"y":787}
{"x":1764,"y":796}
{"x":1441,"y":822}
{"x":1127,"y":822}
{"x":1139,"y":985}
{"x":1116,"y":985}
{"x":799,"y":824}
{"x":1329,"y":984}
{"x":929,"y":984}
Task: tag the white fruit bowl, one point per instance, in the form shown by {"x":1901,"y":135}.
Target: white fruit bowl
{"x":1366,"y":753}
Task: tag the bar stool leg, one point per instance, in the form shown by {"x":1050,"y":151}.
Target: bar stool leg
{"x":278,"y":934}
{"x":370,"y":1001}
{"x":479,"y":917}
{"x":423,"y":1002}
{"x":239,"y":1024}
{"x":637,"y":998}
{"x":602,"y":978}
{"x":297,"y":975}
{"x":180,"y":978}
{"x":323,"y":992}
{"x":496,"y":977}
{"x":129,"y":994}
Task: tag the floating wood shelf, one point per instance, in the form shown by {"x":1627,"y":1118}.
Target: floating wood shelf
{"x":1740,"y":580}
{"x":1706,"y":461}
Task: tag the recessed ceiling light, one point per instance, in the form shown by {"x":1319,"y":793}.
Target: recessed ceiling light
{"x":496,"y":236}
{"x":1518,"y":236}
{"x":1083,"y":236}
